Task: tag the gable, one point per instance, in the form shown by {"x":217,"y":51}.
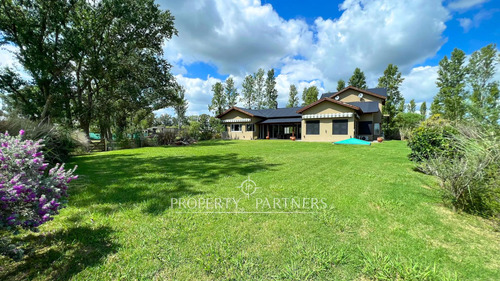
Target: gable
{"x":326,"y":107}
{"x":351,"y":95}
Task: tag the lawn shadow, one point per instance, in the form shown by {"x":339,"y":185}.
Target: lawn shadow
{"x":128,"y":179}
{"x":61,"y":255}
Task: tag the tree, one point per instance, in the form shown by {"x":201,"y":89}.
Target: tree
{"x":180,"y":106}
{"x":164,"y":120}
{"x":248,"y":92}
{"x":412,"y":106}
{"x":91,"y":61}
{"x":340,"y":85}
{"x":271,"y":92}
{"x":423,"y":109}
{"x":310,"y":95}
{"x":260,"y":85}
{"x":293,"y":100}
{"x":452,"y":96}
{"x":358,"y":79}
{"x":391,"y":80}
{"x":484,"y":104}
{"x":401,"y":106}
{"x":230,"y":92}
{"x":406,"y":122}
{"x":219,"y":102}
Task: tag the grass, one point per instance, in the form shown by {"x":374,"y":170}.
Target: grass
{"x":383,"y":220}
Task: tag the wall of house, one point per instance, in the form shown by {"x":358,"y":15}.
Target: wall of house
{"x":244,"y":134}
{"x":326,"y":124}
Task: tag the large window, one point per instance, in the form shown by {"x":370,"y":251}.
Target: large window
{"x":340,"y":127}
{"x":250,"y":127}
{"x":365,"y":127}
{"x":376,"y":129}
{"x":312,"y":127}
{"x":235,"y":127}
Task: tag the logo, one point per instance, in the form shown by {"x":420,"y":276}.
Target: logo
{"x":248,"y":187}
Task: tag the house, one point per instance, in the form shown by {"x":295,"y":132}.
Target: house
{"x":349,"y":113}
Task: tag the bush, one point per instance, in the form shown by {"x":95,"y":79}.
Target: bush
{"x":58,"y":142}
{"x":406,"y":123}
{"x":470,"y":173}
{"x":29,"y":195}
{"x":431,"y":138}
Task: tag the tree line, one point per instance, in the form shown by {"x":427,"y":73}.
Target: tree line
{"x":91,"y":64}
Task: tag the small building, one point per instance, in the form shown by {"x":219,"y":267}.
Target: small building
{"x":349,"y":113}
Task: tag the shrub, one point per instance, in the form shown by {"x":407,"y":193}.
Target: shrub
{"x":470,"y":175}
{"x":29,"y":195}
{"x":407,"y":122}
{"x":431,"y":138}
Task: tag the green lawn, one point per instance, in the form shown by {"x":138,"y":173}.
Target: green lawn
{"x":383,"y":220}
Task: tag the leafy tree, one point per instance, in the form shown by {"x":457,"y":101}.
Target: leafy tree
{"x":164,"y":120}
{"x":219,"y":102}
{"x":412,"y":106}
{"x":181,"y":106}
{"x":271,"y":92}
{"x":401,"y":106}
{"x":248,"y":92}
{"x":423,"y":109}
{"x":340,"y":85}
{"x":391,"y":80}
{"x":450,"y":101}
{"x":260,"y":88}
{"x":293,"y":100}
{"x":358,"y":79}
{"x":485,"y":105}
{"x":230,"y":92}
{"x":310,"y":95}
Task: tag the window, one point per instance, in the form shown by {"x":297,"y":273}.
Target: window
{"x":235,"y":127}
{"x":376,"y":129}
{"x":365,"y":127}
{"x":250,"y":127}
{"x":340,"y":127}
{"x":312,"y":127}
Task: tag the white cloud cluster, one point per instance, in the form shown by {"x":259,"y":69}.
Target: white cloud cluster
{"x":465,"y":4}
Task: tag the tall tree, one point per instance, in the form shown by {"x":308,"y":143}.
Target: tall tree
{"x":452,"y":96}
{"x":391,"y":80}
{"x":271,"y":92}
{"x":180,"y":106}
{"x":401,"y":106}
{"x":293,"y":100}
{"x":423,"y":109}
{"x":485,"y":105}
{"x":248,"y":92}
{"x":219,"y":102}
{"x":231,"y":92}
{"x":412,"y":106}
{"x":260,"y":89}
{"x":340,"y":85}
{"x":358,"y":79}
{"x":310,"y":95}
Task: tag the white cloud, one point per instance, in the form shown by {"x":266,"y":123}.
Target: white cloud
{"x":420,"y":84}
{"x":465,"y":4}
{"x":474,"y":22}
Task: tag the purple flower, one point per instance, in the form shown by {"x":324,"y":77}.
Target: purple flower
{"x":21,"y":132}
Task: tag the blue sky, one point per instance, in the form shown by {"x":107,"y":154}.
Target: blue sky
{"x":318,"y":42}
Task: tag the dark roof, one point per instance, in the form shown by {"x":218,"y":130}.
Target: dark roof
{"x":378,"y":91}
{"x":274,"y":112}
{"x":329,"y":100}
{"x":281,"y":120}
{"x":366,"y":106}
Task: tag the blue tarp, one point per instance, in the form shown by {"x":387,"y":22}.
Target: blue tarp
{"x":353,"y":141}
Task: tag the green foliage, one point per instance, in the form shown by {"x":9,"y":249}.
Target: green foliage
{"x":230,"y":92}
{"x":412,"y":106}
{"x":391,"y":80}
{"x":219,"y":101}
{"x":180,"y":107}
{"x":452,"y":96}
{"x":340,"y":85}
{"x":406,"y":123}
{"x":423,"y":109}
{"x":293,"y":100}
{"x":310,"y":95}
{"x":271,"y":98}
{"x":431,"y":138}
{"x":358,"y":79}
{"x":260,"y":89}
{"x":249,"y":98}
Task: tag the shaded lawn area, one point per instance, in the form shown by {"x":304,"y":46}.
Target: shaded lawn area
{"x":383,"y":219}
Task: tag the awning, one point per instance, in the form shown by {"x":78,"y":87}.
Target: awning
{"x":281,"y":120}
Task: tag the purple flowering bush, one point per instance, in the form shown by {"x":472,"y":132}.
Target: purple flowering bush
{"x":29,"y":194}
